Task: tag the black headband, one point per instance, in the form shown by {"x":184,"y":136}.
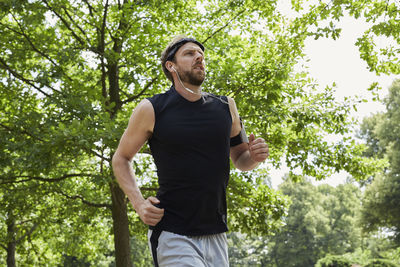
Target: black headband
{"x":179,"y":44}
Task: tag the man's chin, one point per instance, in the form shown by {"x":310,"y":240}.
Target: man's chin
{"x":195,"y":78}
{"x":198,"y":80}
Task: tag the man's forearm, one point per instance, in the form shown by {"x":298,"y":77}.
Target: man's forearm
{"x":245,"y":163}
{"x":125,"y":175}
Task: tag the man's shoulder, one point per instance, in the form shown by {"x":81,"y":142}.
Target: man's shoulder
{"x":227,"y":100}
{"x":159,"y":95}
{"x":216,"y":98}
{"x":144,"y":107}
{"x":162,"y":100}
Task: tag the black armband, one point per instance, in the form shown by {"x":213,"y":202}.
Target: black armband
{"x":240,"y":138}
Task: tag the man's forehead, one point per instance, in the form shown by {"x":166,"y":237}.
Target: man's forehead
{"x":190,"y":46}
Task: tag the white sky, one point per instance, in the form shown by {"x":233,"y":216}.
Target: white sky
{"x":339,"y":61}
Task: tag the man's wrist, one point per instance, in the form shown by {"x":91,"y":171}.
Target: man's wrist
{"x":136,"y":200}
{"x":253,"y":163}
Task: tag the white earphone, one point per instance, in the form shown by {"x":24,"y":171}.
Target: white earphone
{"x":187,"y":89}
{"x":202,"y":94}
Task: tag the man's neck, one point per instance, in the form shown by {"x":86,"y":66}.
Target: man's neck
{"x":189,"y":91}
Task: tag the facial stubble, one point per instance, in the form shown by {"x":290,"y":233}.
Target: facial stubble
{"x":192,"y":77}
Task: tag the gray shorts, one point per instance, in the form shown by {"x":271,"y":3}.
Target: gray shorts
{"x":175,"y":250}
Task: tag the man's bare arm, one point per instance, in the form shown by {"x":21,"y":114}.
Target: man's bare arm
{"x":139,"y":130}
{"x":246,"y":156}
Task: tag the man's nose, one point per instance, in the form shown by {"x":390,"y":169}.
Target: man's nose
{"x":199,"y":57}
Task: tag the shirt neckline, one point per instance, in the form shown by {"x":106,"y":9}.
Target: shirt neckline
{"x":200,"y":100}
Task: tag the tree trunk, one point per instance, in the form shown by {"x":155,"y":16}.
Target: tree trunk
{"x":11,"y":244}
{"x":11,"y":254}
{"x":120,"y":227}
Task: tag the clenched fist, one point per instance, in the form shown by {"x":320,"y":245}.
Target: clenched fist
{"x":259,"y":150}
{"x":148,"y":213}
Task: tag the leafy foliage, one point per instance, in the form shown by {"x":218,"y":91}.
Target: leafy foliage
{"x":247,"y":250}
{"x":333,"y":261}
{"x":380,"y":202}
{"x":321,"y":220}
{"x":72,"y":71}
{"x":382,"y":16}
{"x":381,"y":263}
{"x":253,"y":207}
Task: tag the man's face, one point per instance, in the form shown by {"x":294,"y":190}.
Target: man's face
{"x":190,"y":64}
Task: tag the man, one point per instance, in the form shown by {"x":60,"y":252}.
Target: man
{"x":191,"y":135}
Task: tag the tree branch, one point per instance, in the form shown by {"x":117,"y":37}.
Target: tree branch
{"x":65,"y":23}
{"x":141,"y":92}
{"x":37,"y":138}
{"x":33,"y":46}
{"x":99,"y":155}
{"x":20,"y":77}
{"x":128,"y":26}
{"x":101,"y":48}
{"x":26,"y":80}
{"x":224,"y":26}
{"x":34,"y":248}
{"x":38,"y":178}
{"x":103,"y":26}
{"x":89,"y":7}
{"x":23,"y":131}
{"x":314,"y":19}
{"x":27,"y":233}
{"x":30,"y":41}
{"x":76,"y":24}
{"x":91,"y":204}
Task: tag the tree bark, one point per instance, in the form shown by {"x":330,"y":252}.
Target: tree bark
{"x":119,"y":206}
{"x":11,"y":254}
{"x":120,"y":227}
{"x":11,"y":244}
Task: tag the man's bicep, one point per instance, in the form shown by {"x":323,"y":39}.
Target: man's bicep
{"x":139,"y":130}
{"x":236,"y":127}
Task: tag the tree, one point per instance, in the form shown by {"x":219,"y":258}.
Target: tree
{"x":247,"y":250}
{"x":33,"y":204}
{"x":381,"y":198}
{"x":72,"y":71}
{"x":334,"y":261}
{"x":321,"y":221}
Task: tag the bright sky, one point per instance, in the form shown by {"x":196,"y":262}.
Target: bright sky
{"x":339,"y":61}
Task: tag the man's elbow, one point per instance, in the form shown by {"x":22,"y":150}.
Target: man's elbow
{"x":117,"y":160}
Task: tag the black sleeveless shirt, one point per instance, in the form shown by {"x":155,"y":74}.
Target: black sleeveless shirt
{"x":190,"y":146}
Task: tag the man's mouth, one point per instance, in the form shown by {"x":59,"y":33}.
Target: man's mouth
{"x":199,"y":67}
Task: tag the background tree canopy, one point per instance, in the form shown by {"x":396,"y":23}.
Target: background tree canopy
{"x":72,"y":71}
{"x":382,"y":196}
{"x":321,"y":221}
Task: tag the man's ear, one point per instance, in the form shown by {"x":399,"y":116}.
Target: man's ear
{"x":170,"y":66}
